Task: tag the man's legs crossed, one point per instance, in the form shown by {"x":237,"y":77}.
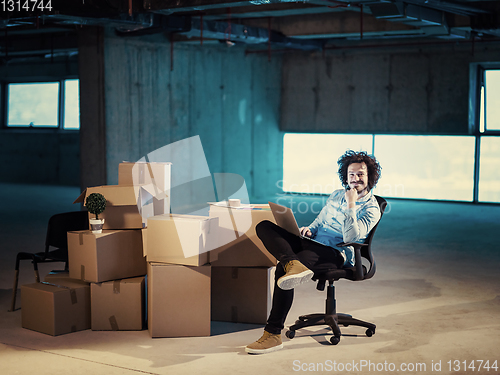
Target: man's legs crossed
{"x":286,"y":248}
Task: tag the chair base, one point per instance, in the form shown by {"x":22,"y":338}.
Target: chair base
{"x":333,"y":321}
{"x":331,"y":318}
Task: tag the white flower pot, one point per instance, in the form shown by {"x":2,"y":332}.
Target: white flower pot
{"x":96,"y":225}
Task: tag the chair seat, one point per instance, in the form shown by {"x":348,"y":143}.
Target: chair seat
{"x":337,"y":274}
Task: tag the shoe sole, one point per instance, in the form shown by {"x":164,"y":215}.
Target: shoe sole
{"x":264,"y":351}
{"x":288,"y":282}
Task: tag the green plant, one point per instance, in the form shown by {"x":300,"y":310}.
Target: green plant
{"x":96,"y":204}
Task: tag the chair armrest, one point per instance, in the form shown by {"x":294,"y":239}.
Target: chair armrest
{"x":354,"y":244}
{"x":358,"y":263}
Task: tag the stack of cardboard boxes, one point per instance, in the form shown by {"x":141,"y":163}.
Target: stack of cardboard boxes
{"x":243,"y":273}
{"x":198,"y":268}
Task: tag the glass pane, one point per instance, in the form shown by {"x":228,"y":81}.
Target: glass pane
{"x":310,"y":160}
{"x":427,"y":167}
{"x":489,"y":178}
{"x":492,"y":99}
{"x":71,"y":104}
{"x":33,"y":104}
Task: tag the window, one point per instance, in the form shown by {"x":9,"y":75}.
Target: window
{"x":487,"y":130}
{"x":426,"y":167}
{"x":310,"y":160}
{"x":38,"y":104}
{"x":422,"y":167}
{"x":33,"y":104}
{"x":71,"y":104}
{"x":490,"y":101}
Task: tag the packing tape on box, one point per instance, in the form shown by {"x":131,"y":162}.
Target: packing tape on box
{"x":80,"y":238}
{"x":114,"y":323}
{"x":82,"y":272}
{"x":234,"y":314}
{"x":234,"y":272}
{"x":72,"y":292}
{"x":116,"y":287}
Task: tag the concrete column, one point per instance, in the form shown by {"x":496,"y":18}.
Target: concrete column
{"x":92,"y":107}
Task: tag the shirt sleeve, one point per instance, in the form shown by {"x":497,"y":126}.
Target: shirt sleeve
{"x":354,"y":228}
{"x":322,"y":216}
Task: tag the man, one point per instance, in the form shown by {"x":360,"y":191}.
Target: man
{"x":348,"y":216}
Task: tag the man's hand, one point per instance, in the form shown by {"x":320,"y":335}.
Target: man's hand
{"x":351,"y":196}
{"x":305,"y":232}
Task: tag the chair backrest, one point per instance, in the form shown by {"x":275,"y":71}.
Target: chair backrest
{"x":366,"y":250}
{"x":60,"y":224}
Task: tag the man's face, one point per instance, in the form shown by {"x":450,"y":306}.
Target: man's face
{"x":357,"y":177}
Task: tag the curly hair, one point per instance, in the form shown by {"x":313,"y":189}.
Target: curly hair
{"x":350,"y":157}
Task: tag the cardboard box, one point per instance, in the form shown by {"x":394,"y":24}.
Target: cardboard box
{"x":239,"y":245}
{"x":118,"y":305}
{"x":155,"y":174}
{"x":56,"y":308}
{"x":181,"y":239}
{"x":54,"y":275}
{"x":110,"y":255}
{"x":242,"y":294}
{"x":178,"y":300}
{"x":127,"y":207}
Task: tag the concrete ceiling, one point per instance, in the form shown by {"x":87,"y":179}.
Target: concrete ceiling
{"x":256,"y":25}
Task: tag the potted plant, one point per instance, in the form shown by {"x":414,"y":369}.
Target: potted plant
{"x":96,"y":204}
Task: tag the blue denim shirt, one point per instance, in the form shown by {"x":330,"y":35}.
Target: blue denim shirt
{"x":337,"y":223}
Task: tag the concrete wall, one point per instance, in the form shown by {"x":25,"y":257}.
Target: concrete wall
{"x":412,"y":90}
{"x":39,"y":156}
{"x":231,"y":100}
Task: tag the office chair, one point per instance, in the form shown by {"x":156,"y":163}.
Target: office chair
{"x":357,"y":273}
{"x":57,"y":229}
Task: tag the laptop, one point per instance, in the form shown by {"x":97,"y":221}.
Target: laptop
{"x":285,"y":219}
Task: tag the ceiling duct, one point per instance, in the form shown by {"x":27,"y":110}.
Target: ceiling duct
{"x":432,"y":22}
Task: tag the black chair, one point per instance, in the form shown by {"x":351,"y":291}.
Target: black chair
{"x":357,"y":273}
{"x":56,"y":238}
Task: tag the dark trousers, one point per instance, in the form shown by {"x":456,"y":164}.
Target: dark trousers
{"x":285,"y":247}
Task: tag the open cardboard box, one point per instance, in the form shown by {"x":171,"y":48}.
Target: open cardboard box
{"x":127,"y":206}
{"x":152,"y":174}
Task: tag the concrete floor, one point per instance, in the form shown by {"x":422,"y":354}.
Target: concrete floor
{"x":435,"y":298}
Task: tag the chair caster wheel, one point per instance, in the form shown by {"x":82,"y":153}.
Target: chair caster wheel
{"x":290,"y":334}
{"x":370,"y":332}
{"x":334,"y":340}
{"x":345,"y":325}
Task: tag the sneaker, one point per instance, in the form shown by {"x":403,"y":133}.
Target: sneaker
{"x":269,"y":342}
{"x":295,"y":274}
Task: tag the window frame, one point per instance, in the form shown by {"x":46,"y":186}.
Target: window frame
{"x":4,"y":99}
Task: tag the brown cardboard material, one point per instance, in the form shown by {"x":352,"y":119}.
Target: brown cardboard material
{"x":56,"y":308}
{"x":110,"y":255}
{"x":118,"y":305}
{"x":178,"y":300}
{"x":126,"y":205}
{"x":155,"y":174}
{"x":54,"y":275}
{"x":181,"y":239}
{"x":242,"y":294}
{"x":239,"y":245}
